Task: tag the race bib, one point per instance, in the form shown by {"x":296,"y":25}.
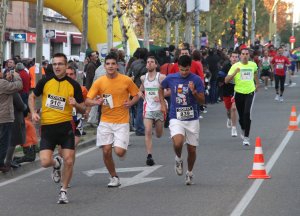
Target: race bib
{"x":279,"y":66}
{"x":184,"y":113}
{"x":55,"y":102}
{"x":152,"y":93}
{"x":108,"y":100}
{"x":246,"y":74}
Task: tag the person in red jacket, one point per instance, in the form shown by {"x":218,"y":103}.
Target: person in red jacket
{"x":196,"y":67}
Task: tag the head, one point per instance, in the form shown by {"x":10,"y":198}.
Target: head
{"x":19,"y":67}
{"x":45,"y":64}
{"x":71,"y":72}
{"x":280,"y":51}
{"x":234,"y":57}
{"x":11,"y":63}
{"x":196,"y":55}
{"x":266,"y":53}
{"x":151,"y":64}
{"x":93,"y":56}
{"x":59,"y":64}
{"x":184,"y":65}
{"x":184,"y":51}
{"x":245,"y":54}
{"x":111,"y":64}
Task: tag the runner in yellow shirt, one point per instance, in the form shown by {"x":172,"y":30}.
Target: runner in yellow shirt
{"x":112,"y":92}
{"x":244,"y":74}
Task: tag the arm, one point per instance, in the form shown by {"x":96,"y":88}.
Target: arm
{"x":142,"y":88}
{"x":130,"y":103}
{"x":162,"y":101}
{"x":80,"y":107}
{"x":31,"y":103}
{"x":228,"y":78}
{"x":94,"y":102}
{"x":256,"y":80}
{"x":19,"y":105}
{"x":8,"y":87}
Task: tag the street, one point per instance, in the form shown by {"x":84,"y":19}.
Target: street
{"x":221,"y":170}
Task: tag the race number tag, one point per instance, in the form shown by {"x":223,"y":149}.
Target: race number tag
{"x":184,"y":113}
{"x":108,"y":100}
{"x":279,"y":66}
{"x":246,"y":74}
{"x":152,"y":93}
{"x":55,"y":102}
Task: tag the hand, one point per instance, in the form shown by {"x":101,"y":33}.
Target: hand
{"x":35,"y":117}
{"x":191,"y":86}
{"x":156,"y":99}
{"x":72,"y":101}
{"x":127,"y":104}
{"x":256,"y":87}
{"x":163,"y":108}
{"x":99,"y":101}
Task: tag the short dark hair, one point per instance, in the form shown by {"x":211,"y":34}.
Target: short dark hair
{"x":59,"y":55}
{"x":185,"y":61}
{"x":72,"y":68}
{"x":111,"y":55}
{"x":152,"y":57}
{"x":234,"y":52}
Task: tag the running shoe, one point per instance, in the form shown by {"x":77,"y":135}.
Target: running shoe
{"x":62,"y":198}
{"x":179,"y":167}
{"x":56,"y":173}
{"x":228,"y":124}
{"x":266,"y":88}
{"x":281,"y":99}
{"x":189,"y":178}
{"x":246,"y":141}
{"x":114,"y":182}
{"x":276,"y":97}
{"x":150,"y":161}
{"x":233,"y":132}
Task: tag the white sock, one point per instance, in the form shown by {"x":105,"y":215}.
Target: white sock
{"x":178,"y":159}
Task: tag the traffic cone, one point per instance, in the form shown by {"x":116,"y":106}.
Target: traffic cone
{"x":258,"y":170}
{"x":293,"y":120}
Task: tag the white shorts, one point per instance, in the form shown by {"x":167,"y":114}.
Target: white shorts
{"x":112,"y":133}
{"x":189,"y":129}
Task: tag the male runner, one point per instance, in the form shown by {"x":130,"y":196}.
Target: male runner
{"x":244,"y":73}
{"x":280,"y":64}
{"x":112,"y":91}
{"x":228,"y":95}
{"x":152,"y":105}
{"x":59,"y":94}
{"x":266,"y":70}
{"x":187,"y":91}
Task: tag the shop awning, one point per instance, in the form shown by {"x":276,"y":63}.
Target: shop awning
{"x":61,"y":37}
{"x":76,"y":39}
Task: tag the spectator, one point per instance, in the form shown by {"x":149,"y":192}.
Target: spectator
{"x":90,"y":69}
{"x":24,"y":93}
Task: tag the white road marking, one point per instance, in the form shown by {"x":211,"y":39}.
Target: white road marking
{"x":40,"y":169}
{"x":137,"y":179}
{"x":242,"y":205}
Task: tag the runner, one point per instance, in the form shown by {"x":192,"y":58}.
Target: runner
{"x":279,"y":65}
{"x":152,"y":105}
{"x":244,"y":73}
{"x":187,"y":91}
{"x":112,"y":92}
{"x":59,"y":95}
{"x":265,"y":64}
{"x":228,"y":94}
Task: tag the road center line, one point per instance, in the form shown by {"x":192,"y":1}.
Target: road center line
{"x":242,"y":205}
{"x":40,"y":169}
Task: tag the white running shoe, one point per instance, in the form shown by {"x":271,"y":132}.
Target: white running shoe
{"x":62,"y":198}
{"x":233,"y":132}
{"x":179,"y":167}
{"x":228,"y":124}
{"x":56,"y":173}
{"x":281,"y":99}
{"x":189,"y":178}
{"x":276,"y":97}
{"x":266,"y":88}
{"x":114,"y":182}
{"x":246,"y":141}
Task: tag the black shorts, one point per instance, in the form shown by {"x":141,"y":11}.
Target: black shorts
{"x":57,"y":134}
{"x":265,"y":73}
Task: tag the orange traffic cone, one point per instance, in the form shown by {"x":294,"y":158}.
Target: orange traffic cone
{"x":258,"y":170}
{"x":293,"y":120}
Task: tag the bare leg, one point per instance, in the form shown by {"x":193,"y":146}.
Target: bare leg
{"x":178,"y":140}
{"x":68,"y":156}
{"x":233,"y":114}
{"x":191,"y":157}
{"x":148,"y":135}
{"x":108,"y":159}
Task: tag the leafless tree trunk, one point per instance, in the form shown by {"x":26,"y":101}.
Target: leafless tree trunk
{"x":147,"y":27}
{"x":3,"y":13}
{"x":39,"y":39}
{"x":188,"y":28}
{"x":83,"y":44}
{"x":122,"y":26}
{"x":110,"y":15}
{"x":168,"y":24}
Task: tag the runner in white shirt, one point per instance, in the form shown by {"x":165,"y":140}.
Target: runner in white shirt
{"x":152,"y":112}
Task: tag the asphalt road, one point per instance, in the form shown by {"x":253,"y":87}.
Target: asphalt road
{"x":221,"y":184}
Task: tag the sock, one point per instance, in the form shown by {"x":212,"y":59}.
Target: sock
{"x":190,"y":173}
{"x":62,"y":189}
{"x":178,"y":159}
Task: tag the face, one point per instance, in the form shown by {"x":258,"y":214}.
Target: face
{"x":94,"y":57}
{"x":266,"y":53}
{"x":111,"y":66}
{"x":184,"y":52}
{"x":234,"y":58}
{"x":184,"y":71}
{"x":280,"y":51}
{"x":70,"y":73}
{"x":10,"y":64}
{"x":59,"y":66}
{"x":244,"y":55}
{"x":151,"y":65}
